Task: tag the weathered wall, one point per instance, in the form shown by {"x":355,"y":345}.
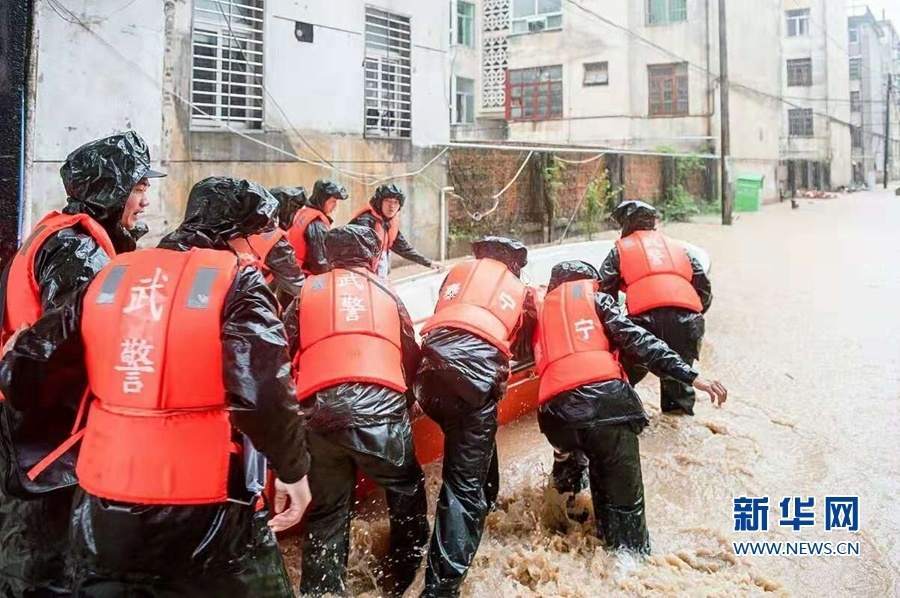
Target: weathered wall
{"x":140,"y":79}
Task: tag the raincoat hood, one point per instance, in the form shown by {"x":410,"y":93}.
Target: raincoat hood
{"x":509,"y":251}
{"x":352,"y":245}
{"x":99,"y":176}
{"x":570,"y":271}
{"x":290,"y":199}
{"x":220,"y":209}
{"x":635,"y":215}
{"x":384,"y":191}
{"x":324,"y":189}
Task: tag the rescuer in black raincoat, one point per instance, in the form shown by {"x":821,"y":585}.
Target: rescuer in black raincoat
{"x":222,"y":549}
{"x":307,"y":230}
{"x":360,"y":426}
{"x":290,"y":199}
{"x":106,"y":179}
{"x":460,"y":382}
{"x":383,"y":216}
{"x":280,"y":263}
{"x":595,"y":426}
{"x":681,"y":329}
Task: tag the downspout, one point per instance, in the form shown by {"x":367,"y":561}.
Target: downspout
{"x":444,"y":222}
{"x":709,"y":90}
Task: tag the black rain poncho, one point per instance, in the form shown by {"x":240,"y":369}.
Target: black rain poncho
{"x":401,"y":246}
{"x":681,"y":329}
{"x":460,"y":382}
{"x":211,"y":547}
{"x":290,"y":199}
{"x":360,"y":426}
{"x":98,"y":178}
{"x":593,"y":428}
{"x":316,"y":261}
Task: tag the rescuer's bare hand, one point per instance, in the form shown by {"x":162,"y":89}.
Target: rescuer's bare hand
{"x":718,"y":394}
{"x":296,"y":497}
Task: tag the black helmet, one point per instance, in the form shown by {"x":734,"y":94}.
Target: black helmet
{"x":569,"y":271}
{"x":385,"y":191}
{"x":509,"y":251}
{"x":322,"y":191}
{"x":635,"y":215}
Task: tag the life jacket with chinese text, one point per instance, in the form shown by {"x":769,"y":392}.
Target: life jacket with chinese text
{"x":296,"y":235}
{"x":656,"y":273}
{"x":158,"y":430}
{"x":570,"y":345}
{"x":349,"y":332}
{"x":255,"y":249}
{"x":482,"y":297}
{"x":23,"y":293}
{"x":386,"y":237}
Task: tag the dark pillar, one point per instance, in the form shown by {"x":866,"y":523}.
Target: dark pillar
{"x":15,"y":45}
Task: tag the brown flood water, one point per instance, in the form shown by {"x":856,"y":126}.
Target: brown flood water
{"x":805,"y":332}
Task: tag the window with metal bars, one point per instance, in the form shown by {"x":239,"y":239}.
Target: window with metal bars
{"x":800,"y":122}
{"x":855,"y":103}
{"x":388,"y":74}
{"x":799,"y":72}
{"x":856,"y":137}
{"x":663,"y":12}
{"x":855,"y":68}
{"x":227,"y":63}
{"x":668,"y":87}
{"x":534,"y":94}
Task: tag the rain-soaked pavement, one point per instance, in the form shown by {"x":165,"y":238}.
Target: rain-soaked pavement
{"x":805,"y":332}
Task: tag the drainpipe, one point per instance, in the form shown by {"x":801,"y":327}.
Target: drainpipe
{"x":444,"y":222}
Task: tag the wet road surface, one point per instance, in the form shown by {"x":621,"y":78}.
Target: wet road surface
{"x":805,"y":332}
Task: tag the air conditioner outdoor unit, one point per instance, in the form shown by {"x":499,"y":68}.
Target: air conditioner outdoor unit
{"x":537,"y":24}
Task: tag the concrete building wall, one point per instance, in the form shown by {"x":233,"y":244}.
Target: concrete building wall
{"x":755,"y":71}
{"x":869,"y":158}
{"x":91,"y":85}
{"x":318,"y":86}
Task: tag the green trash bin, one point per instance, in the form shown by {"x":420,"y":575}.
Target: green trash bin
{"x":748,"y":189}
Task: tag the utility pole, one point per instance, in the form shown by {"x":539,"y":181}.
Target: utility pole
{"x":887,"y":131}
{"x":724,"y":130}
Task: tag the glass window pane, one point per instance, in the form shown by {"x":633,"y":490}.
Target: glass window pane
{"x":545,"y":6}
{"x":523,"y":8}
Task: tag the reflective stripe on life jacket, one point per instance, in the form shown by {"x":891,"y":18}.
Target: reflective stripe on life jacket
{"x":23,"y":293}
{"x":255,"y":249}
{"x":386,"y":238}
{"x":656,"y":272}
{"x":296,"y":235}
{"x":482,"y":297}
{"x":570,"y":344}
{"x":158,"y":430}
{"x":349,"y":332}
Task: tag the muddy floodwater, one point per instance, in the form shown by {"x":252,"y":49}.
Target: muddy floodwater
{"x":805,"y":332}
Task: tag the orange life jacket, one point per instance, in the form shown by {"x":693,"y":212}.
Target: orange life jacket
{"x":23,"y":294}
{"x":388,"y":237}
{"x":296,"y":235}
{"x":349,"y":332}
{"x":482,"y":297}
{"x":158,"y":430}
{"x":255,"y":249}
{"x":657,"y":273}
{"x":570,"y":344}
